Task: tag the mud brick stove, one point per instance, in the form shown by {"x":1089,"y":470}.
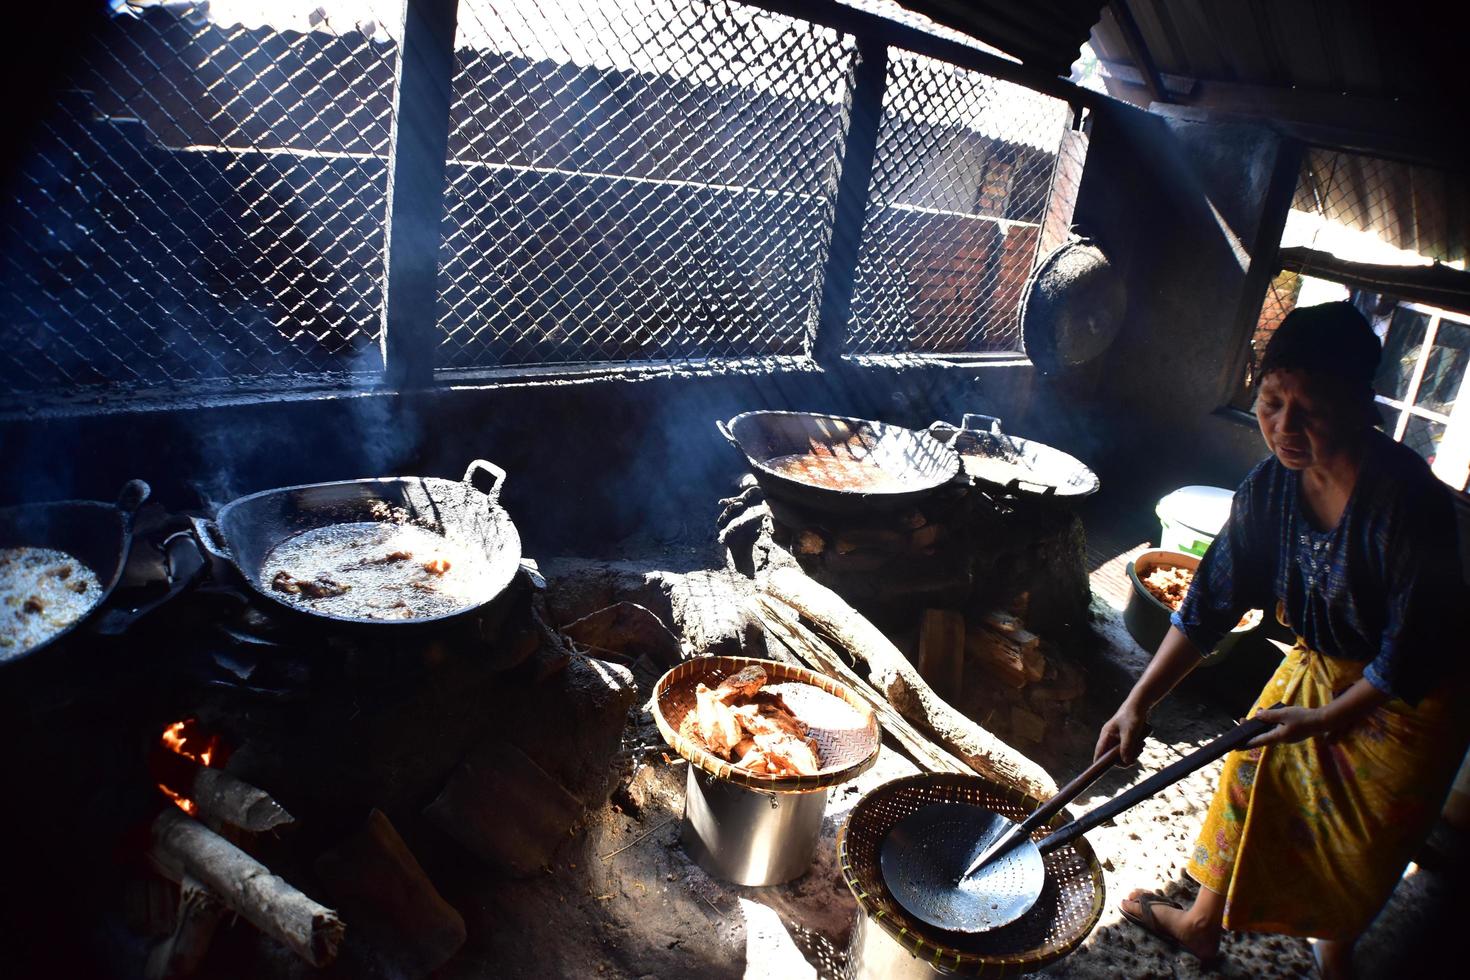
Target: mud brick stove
{"x":345,"y":762}
{"x":982,"y":576}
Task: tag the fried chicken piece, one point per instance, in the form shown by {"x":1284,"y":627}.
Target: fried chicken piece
{"x":788,"y":756}
{"x":33,"y":605}
{"x":318,"y":588}
{"x":763,"y":719}
{"x":716,"y":722}
{"x":744,"y":683}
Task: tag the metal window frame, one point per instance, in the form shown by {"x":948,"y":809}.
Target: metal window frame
{"x":415,"y":204}
{"x":416,"y":201}
{"x":1406,"y":406}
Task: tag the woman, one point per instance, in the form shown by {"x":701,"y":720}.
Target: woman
{"x":1352,"y":540}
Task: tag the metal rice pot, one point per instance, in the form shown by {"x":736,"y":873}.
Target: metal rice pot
{"x":872,"y":954}
{"x":751,"y":828}
{"x":750,"y":836}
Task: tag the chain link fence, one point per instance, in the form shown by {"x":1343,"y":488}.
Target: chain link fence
{"x":205,"y":202}
{"x":960,"y":184}
{"x":626,"y":181}
{"x":637,"y":180}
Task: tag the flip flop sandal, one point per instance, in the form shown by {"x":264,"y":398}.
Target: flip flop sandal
{"x":1146,"y":921}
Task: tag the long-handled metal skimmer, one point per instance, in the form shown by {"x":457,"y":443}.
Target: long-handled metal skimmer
{"x":923,"y":854}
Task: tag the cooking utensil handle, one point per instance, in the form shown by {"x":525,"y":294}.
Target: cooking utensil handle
{"x":1198,"y":759}
{"x":132,"y":496}
{"x":206,"y":532}
{"x":1042,"y":489}
{"x":1051,"y":807}
{"x":477,"y":466}
{"x":724,"y":428}
{"x":117,"y":621}
{"x":973,"y":420}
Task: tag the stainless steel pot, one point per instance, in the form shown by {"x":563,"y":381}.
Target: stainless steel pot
{"x":872,"y":954}
{"x":750,"y":836}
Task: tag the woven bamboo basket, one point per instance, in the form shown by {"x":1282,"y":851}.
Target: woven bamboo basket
{"x":844,"y":728}
{"x":1070,"y":905}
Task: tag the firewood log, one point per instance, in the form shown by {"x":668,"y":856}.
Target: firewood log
{"x":383,"y":891}
{"x":782,"y":623}
{"x":892,"y":674}
{"x":184,"y":847}
{"x":942,"y":651}
{"x":182,"y":953}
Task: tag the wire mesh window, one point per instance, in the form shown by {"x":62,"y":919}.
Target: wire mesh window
{"x":1359,"y":209}
{"x":961,"y":177}
{"x":205,"y":202}
{"x":637,"y":180}
{"x":1352,"y":213}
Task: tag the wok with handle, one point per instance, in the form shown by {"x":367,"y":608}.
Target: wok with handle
{"x":246,"y":531}
{"x":890,"y":467}
{"x":95,"y":533}
{"x":927,"y":858}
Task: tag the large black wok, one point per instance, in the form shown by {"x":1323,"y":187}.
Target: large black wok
{"x":246,"y":530}
{"x":97,"y":534}
{"x":890,"y":454}
{"x":1021,"y":466}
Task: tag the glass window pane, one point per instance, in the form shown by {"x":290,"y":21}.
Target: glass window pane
{"x":1445,"y":367}
{"x":1423,"y":436}
{"x":1400,"y":351}
{"x":1389,"y":417}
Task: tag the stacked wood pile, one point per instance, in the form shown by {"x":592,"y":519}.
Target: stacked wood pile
{"x":1032,"y":685}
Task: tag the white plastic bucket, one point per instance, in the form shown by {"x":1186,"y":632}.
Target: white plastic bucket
{"x":1191,"y":517}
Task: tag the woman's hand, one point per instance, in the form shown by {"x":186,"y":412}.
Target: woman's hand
{"x":1292,"y":725}
{"x":1127,"y":728}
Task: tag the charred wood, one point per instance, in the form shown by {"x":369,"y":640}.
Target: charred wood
{"x":783,"y":624}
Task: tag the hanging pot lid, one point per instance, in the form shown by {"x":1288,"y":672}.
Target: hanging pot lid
{"x":1072,"y":308}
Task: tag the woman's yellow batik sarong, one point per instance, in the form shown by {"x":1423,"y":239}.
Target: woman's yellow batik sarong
{"x":1309,"y":838}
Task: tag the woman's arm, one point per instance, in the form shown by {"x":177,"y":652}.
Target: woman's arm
{"x":1332,"y":718}
{"x":1176,"y":657}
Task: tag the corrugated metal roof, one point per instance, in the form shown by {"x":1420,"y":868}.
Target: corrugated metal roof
{"x":1045,"y":34}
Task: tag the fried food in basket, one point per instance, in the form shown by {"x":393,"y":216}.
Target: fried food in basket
{"x":754,"y":728}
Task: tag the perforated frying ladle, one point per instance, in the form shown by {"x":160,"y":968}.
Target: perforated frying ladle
{"x":927,"y":857}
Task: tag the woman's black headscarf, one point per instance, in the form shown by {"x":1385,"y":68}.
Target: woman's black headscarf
{"x":1331,"y":340}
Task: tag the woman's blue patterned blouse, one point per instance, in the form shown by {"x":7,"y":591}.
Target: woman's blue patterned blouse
{"x":1384,"y":586}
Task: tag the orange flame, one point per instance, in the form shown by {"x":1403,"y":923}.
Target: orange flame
{"x":184,"y":738}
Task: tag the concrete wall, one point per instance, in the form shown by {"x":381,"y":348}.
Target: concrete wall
{"x":608,"y":466}
{"x":1179,"y":205}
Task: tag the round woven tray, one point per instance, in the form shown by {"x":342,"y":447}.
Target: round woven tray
{"x":1071,"y":902}
{"x":844,"y":728}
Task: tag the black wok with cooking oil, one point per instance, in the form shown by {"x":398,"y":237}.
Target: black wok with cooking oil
{"x":904,"y":466}
{"x":95,"y":533}
{"x":247,"y":530}
{"x":926,"y":855}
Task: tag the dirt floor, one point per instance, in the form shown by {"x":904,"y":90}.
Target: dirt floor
{"x":625,"y":901}
{"x":622,"y":900}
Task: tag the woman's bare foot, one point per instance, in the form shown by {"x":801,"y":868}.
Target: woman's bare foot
{"x":1196,"y":929}
{"x":1334,"y":959}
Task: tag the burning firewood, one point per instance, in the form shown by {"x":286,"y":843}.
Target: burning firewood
{"x":185,"y":848}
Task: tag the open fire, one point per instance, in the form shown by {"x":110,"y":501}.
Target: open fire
{"x":187,"y":738}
